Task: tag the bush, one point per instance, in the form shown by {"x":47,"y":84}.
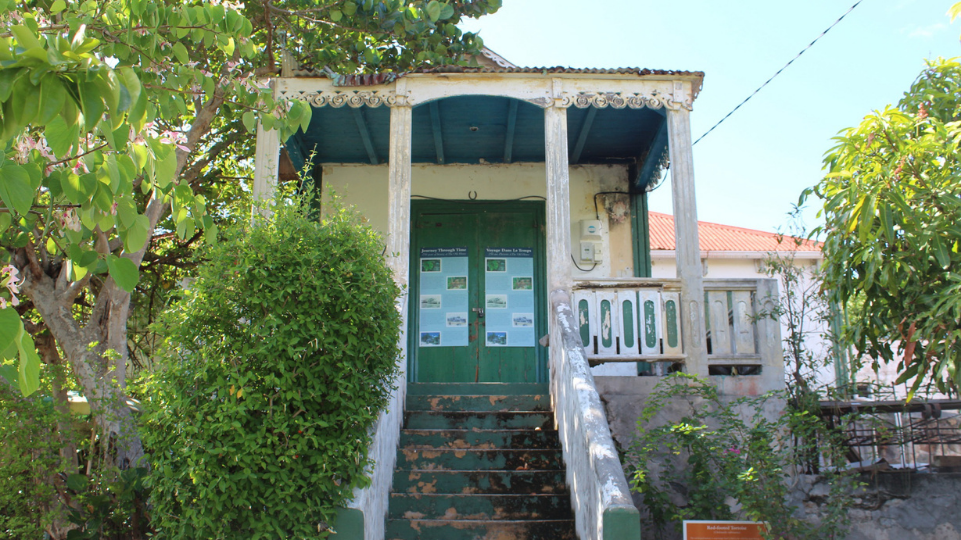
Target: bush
{"x":277,"y":363}
{"x":728,"y":460}
{"x":29,"y":460}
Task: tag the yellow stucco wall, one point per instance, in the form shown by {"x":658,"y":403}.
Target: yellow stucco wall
{"x":365,"y":187}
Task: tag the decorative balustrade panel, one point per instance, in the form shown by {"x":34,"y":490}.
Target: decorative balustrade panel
{"x":629,"y":323}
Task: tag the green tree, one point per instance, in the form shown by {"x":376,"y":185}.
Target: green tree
{"x":892,"y":210}
{"x":115,"y":114}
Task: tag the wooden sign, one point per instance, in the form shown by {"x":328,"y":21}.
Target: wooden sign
{"x":723,"y":530}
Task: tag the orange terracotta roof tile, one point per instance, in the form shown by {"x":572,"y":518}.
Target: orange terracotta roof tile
{"x":716,"y":237}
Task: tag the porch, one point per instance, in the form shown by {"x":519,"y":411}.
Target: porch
{"x":376,"y":141}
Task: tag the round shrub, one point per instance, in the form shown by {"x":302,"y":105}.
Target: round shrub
{"x":276,"y":363}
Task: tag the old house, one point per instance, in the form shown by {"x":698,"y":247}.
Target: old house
{"x":513,"y":205}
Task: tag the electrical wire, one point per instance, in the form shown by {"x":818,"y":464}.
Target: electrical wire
{"x":778,"y":72}
{"x":573,"y":260}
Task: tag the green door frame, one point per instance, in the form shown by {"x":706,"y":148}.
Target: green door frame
{"x":537,"y":210}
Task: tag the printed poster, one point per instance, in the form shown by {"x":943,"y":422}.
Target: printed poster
{"x":509,"y":297}
{"x":443,"y":297}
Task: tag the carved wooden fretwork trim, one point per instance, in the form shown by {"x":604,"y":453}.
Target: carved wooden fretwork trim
{"x":662,"y":165}
{"x":615,"y":100}
{"x":350,"y":98}
{"x":581,"y":100}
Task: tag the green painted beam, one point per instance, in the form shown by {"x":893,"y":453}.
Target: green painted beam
{"x":349,"y":524}
{"x":365,"y":134}
{"x":436,"y":130}
{"x":622,"y":524}
{"x":511,"y":126}
{"x":582,"y":137}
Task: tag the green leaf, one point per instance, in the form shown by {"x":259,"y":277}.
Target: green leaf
{"x":52,"y":97}
{"x":123,"y":271}
{"x":941,"y":252}
{"x":336,"y":15}
{"x":250,"y":121}
{"x":9,"y":373}
{"x":11,"y":326}
{"x":26,"y":38}
{"x":92,"y":105}
{"x":77,"y":482}
{"x":15,"y":188}
{"x":29,"y":366}
{"x":60,"y":136}
{"x":166,"y":166}
{"x":434,"y":10}
{"x":447,"y":12}
{"x":180,"y":52}
{"x":137,"y":234}
{"x":57,"y":6}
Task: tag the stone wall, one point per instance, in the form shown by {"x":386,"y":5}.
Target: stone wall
{"x":894,"y":506}
{"x":891,"y":505}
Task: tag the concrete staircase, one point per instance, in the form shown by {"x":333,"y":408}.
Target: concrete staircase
{"x":479,"y":462}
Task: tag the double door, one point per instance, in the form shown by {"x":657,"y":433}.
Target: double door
{"x":477,"y":302}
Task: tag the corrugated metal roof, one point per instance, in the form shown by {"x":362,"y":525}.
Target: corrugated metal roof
{"x":305,"y":71}
{"x":716,"y":237}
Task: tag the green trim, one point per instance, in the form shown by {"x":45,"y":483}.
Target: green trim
{"x":349,"y":524}
{"x":537,"y":210}
{"x":641,"y":241}
{"x":622,"y":524}
{"x":641,"y":235}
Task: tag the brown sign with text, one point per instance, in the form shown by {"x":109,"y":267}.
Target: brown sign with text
{"x":723,"y":530}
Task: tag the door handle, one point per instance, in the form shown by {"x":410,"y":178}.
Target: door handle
{"x":479,"y":311}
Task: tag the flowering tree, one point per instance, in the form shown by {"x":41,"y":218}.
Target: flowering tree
{"x":114,"y":114}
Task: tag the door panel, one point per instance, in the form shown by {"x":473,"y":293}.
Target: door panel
{"x":478,"y":226}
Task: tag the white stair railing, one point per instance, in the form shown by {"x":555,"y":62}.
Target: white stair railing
{"x":603,"y":509}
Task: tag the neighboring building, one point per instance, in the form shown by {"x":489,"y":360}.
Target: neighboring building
{"x":515,"y":200}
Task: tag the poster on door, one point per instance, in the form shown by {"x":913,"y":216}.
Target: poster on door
{"x":509,"y":297}
{"x":443,"y":297}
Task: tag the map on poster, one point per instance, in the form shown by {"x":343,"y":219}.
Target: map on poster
{"x":509,"y":297}
{"x":443,"y":297}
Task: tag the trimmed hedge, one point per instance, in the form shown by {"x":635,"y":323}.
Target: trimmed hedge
{"x":277,"y":362}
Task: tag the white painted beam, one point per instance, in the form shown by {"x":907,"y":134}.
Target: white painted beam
{"x":558,"y":200}
{"x":686,"y":238}
{"x":398,"y":212}
{"x":266,"y":170}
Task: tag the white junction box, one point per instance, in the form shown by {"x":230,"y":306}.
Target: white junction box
{"x":591,"y":229}
{"x":588,"y":253}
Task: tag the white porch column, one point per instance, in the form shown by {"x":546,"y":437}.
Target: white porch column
{"x":266,"y":170}
{"x":266,"y":167}
{"x":398,"y":212}
{"x":558,"y":200}
{"x":687,"y":247}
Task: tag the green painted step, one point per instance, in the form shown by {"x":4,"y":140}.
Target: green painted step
{"x":520,"y":402}
{"x":476,"y":507}
{"x":478,"y":420}
{"x":478,"y":439}
{"x":476,"y":389}
{"x":403,"y":529}
{"x":430,"y":459}
{"x":465,"y":482}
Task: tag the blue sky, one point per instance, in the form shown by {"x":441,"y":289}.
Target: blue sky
{"x":753,"y":167}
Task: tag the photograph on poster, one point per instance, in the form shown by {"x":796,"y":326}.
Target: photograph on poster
{"x":429,"y":339}
{"x":522,"y":319}
{"x":430,"y":265}
{"x":496,"y":301}
{"x":430,"y":301}
{"x":496,"y":339}
{"x":523,"y":283}
{"x":456,"y":319}
{"x":457,"y":283}
{"x":496,"y":265}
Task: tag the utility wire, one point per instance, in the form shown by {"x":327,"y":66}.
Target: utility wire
{"x":778,"y":71}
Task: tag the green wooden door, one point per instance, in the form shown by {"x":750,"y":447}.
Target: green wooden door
{"x":477,"y":305}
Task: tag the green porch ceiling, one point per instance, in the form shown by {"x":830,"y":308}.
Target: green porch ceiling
{"x":479,"y":129}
